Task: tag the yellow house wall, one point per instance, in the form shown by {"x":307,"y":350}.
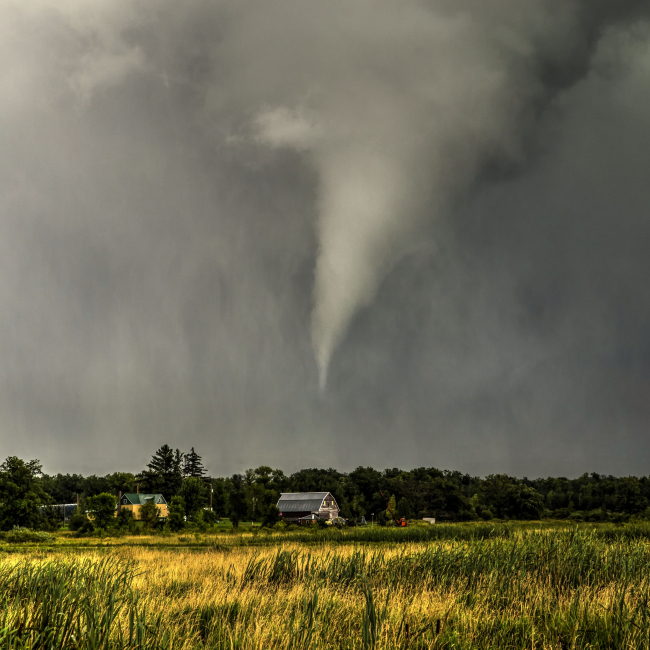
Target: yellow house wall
{"x":162,"y":510}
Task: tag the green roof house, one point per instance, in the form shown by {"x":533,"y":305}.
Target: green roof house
{"x":134,"y":501}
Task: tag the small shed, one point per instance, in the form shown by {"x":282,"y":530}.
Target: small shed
{"x":309,"y":519}
{"x":133,"y":502}
{"x":66,"y":509}
{"x":298,"y":507}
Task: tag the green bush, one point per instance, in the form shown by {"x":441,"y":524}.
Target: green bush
{"x":88,"y":528}
{"x":77,"y":520}
{"x":21,"y":535}
{"x":210,"y":517}
{"x":51,"y":519}
{"x":125,"y":520}
{"x":271,"y":516}
{"x":596,"y":515}
{"x":197,"y":522}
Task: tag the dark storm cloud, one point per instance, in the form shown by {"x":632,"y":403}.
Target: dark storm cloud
{"x":175,"y":180}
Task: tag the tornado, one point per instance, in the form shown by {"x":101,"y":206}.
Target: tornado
{"x":406,"y":111}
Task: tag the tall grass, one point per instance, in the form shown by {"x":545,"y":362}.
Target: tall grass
{"x":66,"y":604}
{"x":511,"y":588}
{"x":570,"y":560}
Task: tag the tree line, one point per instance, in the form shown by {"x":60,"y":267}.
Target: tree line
{"x":447,"y":495}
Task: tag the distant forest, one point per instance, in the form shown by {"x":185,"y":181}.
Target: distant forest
{"x":422,"y":492}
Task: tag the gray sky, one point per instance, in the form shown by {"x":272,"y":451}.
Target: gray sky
{"x":441,"y":207}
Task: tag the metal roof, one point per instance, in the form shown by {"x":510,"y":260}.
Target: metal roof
{"x":302,"y":501}
{"x":302,"y":496}
{"x":141,"y":499}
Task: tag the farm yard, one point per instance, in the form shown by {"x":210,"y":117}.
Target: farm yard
{"x":444,"y":586}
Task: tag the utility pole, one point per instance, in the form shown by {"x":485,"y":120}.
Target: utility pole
{"x":211,"y":491}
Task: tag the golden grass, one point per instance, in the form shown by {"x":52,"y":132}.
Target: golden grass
{"x":204,"y":601}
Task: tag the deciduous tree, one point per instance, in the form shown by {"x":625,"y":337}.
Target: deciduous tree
{"x":195,"y":495}
{"x":238,"y":507}
{"x":102,"y":509}
{"x":149,"y":513}
{"x":21,"y":494}
{"x":176,"y":516}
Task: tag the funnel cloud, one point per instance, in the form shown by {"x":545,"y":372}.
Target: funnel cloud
{"x":294,"y":233}
{"x":418,"y":98}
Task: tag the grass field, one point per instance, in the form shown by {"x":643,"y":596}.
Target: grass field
{"x":447,"y":586}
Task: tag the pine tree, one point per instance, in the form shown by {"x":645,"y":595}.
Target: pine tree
{"x":193,"y":467}
{"x":164,"y":474}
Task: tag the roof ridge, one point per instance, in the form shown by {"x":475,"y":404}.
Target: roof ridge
{"x":320,"y":492}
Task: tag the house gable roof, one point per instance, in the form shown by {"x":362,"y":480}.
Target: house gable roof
{"x":303,"y":501}
{"x":131,"y":498}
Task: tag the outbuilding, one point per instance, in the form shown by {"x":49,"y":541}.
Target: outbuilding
{"x":305,"y":507}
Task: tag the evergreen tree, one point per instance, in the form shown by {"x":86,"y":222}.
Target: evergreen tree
{"x":193,"y":467}
{"x":164,"y":474}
